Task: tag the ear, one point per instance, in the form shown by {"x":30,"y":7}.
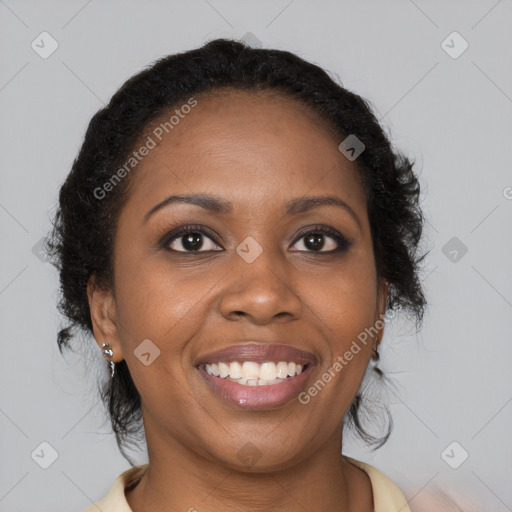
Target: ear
{"x":105,"y":326}
{"x":382,"y":296}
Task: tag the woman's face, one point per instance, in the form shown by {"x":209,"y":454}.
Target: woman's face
{"x":259,"y":277}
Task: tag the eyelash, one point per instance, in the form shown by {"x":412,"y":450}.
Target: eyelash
{"x":342,"y":241}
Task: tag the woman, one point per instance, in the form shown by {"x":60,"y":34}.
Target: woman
{"x":233,"y":232}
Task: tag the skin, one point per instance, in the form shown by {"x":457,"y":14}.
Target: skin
{"x":268,"y":149}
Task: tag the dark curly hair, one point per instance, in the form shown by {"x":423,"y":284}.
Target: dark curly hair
{"x":81,"y":242}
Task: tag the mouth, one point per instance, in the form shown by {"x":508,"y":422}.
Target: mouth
{"x":257,"y":376}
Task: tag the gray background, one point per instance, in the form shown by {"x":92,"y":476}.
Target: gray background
{"x":451,"y":114}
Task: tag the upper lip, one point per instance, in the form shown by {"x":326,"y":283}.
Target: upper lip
{"x":258,"y":352}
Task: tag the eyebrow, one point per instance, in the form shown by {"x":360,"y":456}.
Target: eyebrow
{"x":218,"y":205}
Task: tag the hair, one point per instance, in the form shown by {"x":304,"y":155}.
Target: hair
{"x":81,"y":242}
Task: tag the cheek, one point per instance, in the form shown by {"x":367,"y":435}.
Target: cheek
{"x":346,"y":299}
{"x":346,"y":307}
{"x":154,"y":303}
{"x":163,"y":303}
{"x":151,"y":295}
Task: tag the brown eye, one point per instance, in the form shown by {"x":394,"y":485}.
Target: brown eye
{"x":322,"y":240}
{"x":190,"y":239}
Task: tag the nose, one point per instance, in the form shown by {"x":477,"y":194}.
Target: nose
{"x":262,"y":291}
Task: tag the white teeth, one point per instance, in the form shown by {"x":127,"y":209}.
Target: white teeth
{"x":250,"y":373}
{"x":235,"y":370}
{"x":223,"y":370}
{"x":256,"y":382}
{"x":250,"y":370}
{"x":282,"y":370}
{"x":268,"y":371}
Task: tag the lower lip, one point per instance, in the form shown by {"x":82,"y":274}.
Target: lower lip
{"x":257,"y":397}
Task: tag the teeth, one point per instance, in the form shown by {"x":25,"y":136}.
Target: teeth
{"x":282,"y":370}
{"x":268,"y":371}
{"x":251,"y":373}
{"x":235,"y":370}
{"x":223,"y":370}
{"x":250,"y":370}
{"x":256,"y":382}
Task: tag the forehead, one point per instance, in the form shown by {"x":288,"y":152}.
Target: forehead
{"x":250,"y":146}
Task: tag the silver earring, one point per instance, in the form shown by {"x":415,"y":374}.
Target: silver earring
{"x":108,"y":352}
{"x":375,"y":352}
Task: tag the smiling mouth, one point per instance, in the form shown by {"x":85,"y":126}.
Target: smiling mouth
{"x":252,"y":373}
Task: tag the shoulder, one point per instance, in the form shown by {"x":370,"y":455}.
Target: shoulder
{"x":115,"y":499}
{"x":387,"y":497}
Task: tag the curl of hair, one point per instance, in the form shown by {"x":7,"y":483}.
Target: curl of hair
{"x":81,"y":243}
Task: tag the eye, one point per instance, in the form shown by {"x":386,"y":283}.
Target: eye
{"x":194,"y":239}
{"x":315,"y":241}
{"x":190,"y":239}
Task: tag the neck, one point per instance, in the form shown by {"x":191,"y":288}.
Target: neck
{"x":181,"y":479}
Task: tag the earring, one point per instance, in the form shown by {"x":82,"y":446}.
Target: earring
{"x":108,"y":352}
{"x":375,"y":353}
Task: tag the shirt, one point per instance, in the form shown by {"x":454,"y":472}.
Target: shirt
{"x":387,"y":497}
